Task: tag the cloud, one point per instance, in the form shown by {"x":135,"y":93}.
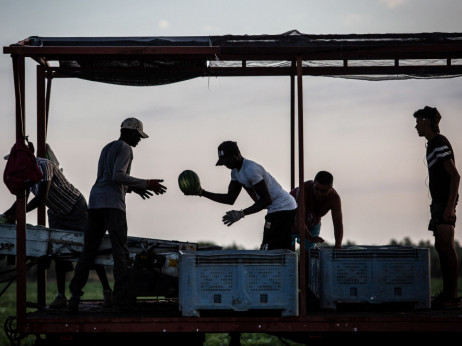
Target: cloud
{"x":393,"y":3}
{"x":164,"y":24}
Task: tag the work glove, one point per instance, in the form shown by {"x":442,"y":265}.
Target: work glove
{"x":143,"y":193}
{"x":153,"y":185}
{"x":232,"y":217}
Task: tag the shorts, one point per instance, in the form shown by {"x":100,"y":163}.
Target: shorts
{"x":277,"y":231}
{"x":314,"y":230}
{"x":437,"y":212}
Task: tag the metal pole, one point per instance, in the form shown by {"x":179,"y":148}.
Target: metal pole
{"x":301,"y":193}
{"x":41,"y":129}
{"x":292,"y":129}
{"x":47,"y":104}
{"x":41,"y":149}
{"x":18,"y":72}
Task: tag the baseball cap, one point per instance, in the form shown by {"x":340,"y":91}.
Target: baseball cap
{"x":225,"y":149}
{"x":134,"y":124}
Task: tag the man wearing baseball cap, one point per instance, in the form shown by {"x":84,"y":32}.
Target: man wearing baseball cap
{"x":107,"y":212}
{"x":444,"y":185}
{"x":266,"y":192}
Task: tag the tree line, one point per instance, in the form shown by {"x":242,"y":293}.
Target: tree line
{"x":7,"y":270}
{"x":434,"y":258}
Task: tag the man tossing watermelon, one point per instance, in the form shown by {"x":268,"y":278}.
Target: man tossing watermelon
{"x":266,"y":192}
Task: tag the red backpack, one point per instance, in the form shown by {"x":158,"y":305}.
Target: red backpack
{"x":21,"y":170}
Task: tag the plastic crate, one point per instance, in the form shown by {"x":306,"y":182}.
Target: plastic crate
{"x":370,"y":274}
{"x":238,"y":280}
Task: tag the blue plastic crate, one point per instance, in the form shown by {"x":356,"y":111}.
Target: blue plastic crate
{"x":370,"y":274}
{"x":238,"y":280}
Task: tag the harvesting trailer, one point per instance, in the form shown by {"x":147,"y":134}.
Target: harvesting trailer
{"x":149,"y":61}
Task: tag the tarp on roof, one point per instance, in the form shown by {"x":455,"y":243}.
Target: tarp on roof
{"x":259,"y":51}
{"x":138,"y":71}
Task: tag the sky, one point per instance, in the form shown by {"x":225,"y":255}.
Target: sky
{"x":361,"y":131}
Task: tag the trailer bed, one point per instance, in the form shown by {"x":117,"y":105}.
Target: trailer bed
{"x":162,"y":318}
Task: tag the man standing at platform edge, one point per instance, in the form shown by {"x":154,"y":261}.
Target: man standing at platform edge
{"x":444,"y":185}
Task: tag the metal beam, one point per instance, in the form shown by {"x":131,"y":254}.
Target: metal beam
{"x":19,"y":86}
{"x":301,"y":192}
{"x":41,"y":152}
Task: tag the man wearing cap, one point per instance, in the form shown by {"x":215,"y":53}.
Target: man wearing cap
{"x":263,"y":189}
{"x":107,"y":212}
{"x":444,"y":185}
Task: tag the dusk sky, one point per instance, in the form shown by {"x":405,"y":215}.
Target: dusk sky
{"x":361,"y":131}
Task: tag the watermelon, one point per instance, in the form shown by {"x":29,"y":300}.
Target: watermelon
{"x":189,"y":182}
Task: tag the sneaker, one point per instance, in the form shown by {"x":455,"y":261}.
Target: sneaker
{"x":437,"y":301}
{"x":442,"y":302}
{"x":59,"y":302}
{"x":454,"y":303}
{"x":73,"y":303}
{"x":107,"y":298}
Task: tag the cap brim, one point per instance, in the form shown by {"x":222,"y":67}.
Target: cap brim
{"x":143,"y":134}
{"x":219,"y":162}
{"x":6,"y":157}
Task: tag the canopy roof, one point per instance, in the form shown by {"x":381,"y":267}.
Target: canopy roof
{"x":162,"y":60}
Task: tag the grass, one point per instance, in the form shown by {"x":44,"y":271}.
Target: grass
{"x":93,"y":290}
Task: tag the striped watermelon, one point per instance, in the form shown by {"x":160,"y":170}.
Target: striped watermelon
{"x":189,"y":182}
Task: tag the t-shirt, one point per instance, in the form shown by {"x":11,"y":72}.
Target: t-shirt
{"x":439,"y":150}
{"x":62,"y":195}
{"x":252,"y":173}
{"x":113,"y":178}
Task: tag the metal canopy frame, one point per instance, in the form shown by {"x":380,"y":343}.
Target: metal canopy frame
{"x":344,"y":48}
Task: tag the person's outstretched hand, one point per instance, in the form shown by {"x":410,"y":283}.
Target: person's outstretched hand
{"x":154,"y":185}
{"x":143,"y":193}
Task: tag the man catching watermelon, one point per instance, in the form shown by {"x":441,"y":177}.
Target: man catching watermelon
{"x":266,"y":192}
{"x":107,"y":212}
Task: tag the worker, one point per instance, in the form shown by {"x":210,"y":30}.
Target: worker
{"x":444,"y":185}
{"x":107,"y":212}
{"x":320,"y":198}
{"x":67,"y":210}
{"x":265,"y":191}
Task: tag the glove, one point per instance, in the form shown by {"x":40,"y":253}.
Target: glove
{"x":232,"y":217}
{"x":143,"y":193}
{"x":153,"y":185}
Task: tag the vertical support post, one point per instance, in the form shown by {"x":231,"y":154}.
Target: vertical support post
{"x":47,"y":104}
{"x":41,"y":152}
{"x":19,"y":81}
{"x":301,"y":193}
{"x":292,"y":129}
{"x":41,"y":129}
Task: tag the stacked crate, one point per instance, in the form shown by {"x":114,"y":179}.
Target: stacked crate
{"x":370,"y":274}
{"x":238,"y":280}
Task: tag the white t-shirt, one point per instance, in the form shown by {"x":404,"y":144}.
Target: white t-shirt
{"x":252,"y":173}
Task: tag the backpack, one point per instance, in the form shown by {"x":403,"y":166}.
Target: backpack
{"x":21,"y":170}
